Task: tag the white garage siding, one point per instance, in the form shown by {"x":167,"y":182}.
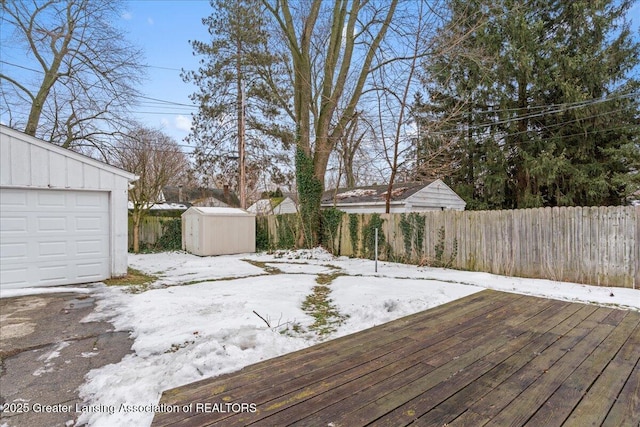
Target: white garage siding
{"x":63,"y":216}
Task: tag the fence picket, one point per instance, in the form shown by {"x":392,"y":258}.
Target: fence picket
{"x":594,"y":245}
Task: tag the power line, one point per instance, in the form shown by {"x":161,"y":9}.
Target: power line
{"x":165,"y":103}
{"x":164,"y":113}
{"x":540,"y":114}
{"x":42,"y":72}
{"x":21,"y":66}
{"x":169,"y":102}
{"x":161,"y":68}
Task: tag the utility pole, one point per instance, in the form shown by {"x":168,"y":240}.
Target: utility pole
{"x":241,"y":127}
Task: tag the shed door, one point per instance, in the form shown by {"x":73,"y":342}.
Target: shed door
{"x":53,"y":237}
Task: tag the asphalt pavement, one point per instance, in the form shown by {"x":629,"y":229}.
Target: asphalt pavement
{"x":46,"y":351}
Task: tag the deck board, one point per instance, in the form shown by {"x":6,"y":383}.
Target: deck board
{"x":491,"y":358}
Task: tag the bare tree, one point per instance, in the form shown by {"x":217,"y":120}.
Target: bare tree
{"x":353,"y":31}
{"x":158,"y":161}
{"x":84,"y":70}
{"x":348,"y":147}
{"x":394,"y":85}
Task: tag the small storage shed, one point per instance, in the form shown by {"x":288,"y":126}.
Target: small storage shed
{"x":63,"y":216}
{"x":218,"y":231}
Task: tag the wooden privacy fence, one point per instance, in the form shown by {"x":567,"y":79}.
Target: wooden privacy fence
{"x":593,"y":245}
{"x":152,"y":230}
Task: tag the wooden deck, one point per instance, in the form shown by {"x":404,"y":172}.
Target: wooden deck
{"x":491,"y":358}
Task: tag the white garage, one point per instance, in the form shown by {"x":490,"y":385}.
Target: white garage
{"x":63,"y":216}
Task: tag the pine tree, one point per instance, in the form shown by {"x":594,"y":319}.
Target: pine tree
{"x":460,"y":86}
{"x":591,"y":143}
{"x":235,"y":84}
{"x":540,"y":102}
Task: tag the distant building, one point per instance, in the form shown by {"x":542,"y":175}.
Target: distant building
{"x":405,"y":197}
{"x":274,"y":206}
{"x":180,"y":199}
{"x":202,"y":197}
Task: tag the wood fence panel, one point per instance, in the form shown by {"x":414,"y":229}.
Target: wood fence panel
{"x":595,"y":245}
{"x":150,"y":230}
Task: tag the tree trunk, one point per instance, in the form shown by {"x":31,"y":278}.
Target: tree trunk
{"x":50,"y":77}
{"x":348,"y":170}
{"x":387,"y":199}
{"x":136,"y":231}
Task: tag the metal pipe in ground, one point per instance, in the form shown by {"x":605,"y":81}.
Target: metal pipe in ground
{"x":376,"y":250}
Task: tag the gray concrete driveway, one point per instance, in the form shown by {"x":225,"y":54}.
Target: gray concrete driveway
{"x":45,"y":352}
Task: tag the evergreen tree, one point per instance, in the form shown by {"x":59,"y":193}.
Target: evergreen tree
{"x":539,"y":99}
{"x":236,"y":80}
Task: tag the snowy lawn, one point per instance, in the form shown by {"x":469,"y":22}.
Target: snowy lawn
{"x":211,"y":315}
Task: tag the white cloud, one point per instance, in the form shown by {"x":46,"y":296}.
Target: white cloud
{"x":183,"y":123}
{"x":150,"y":21}
{"x":127,"y":16}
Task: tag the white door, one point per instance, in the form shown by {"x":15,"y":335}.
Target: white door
{"x":53,"y":237}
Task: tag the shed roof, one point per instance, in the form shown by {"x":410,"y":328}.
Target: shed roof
{"x":373,"y":193}
{"x":210,"y":211}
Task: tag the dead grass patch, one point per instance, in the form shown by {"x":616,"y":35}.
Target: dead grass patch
{"x":319,"y":306}
{"x":134,"y":277}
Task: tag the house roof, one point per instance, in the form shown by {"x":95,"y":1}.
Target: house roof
{"x":373,"y":193}
{"x":292,"y":195}
{"x":194,"y":194}
{"x":165,"y":206}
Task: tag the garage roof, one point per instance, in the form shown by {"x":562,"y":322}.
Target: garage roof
{"x":7,"y":175}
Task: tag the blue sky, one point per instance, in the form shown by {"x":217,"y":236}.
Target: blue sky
{"x":162,"y":29}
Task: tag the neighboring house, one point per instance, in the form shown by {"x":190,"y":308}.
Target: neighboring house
{"x":201,"y":197}
{"x":405,"y":197}
{"x":274,"y":206}
{"x":164,"y":206}
{"x":63,"y":215}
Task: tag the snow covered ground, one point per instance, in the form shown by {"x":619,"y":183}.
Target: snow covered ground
{"x":218,"y":322}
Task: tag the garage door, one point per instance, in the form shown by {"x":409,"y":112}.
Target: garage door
{"x":53,"y":237}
